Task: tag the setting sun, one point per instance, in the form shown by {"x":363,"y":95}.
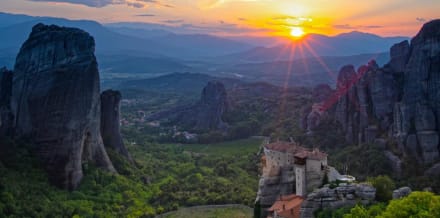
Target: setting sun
{"x":297,"y":32}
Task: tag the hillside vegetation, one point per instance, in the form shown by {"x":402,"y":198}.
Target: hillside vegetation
{"x":165,"y":178}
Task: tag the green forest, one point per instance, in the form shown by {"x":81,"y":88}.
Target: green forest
{"x":164,"y":178}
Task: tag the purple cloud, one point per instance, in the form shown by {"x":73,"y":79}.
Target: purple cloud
{"x":103,"y":3}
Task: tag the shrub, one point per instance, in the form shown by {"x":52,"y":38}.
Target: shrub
{"x":384,"y":187}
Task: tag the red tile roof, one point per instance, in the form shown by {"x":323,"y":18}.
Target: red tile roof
{"x":287,"y":206}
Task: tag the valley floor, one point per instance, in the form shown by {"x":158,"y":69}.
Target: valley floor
{"x":213,"y":211}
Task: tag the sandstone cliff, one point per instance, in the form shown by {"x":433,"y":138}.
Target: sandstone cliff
{"x":417,"y":115}
{"x":56,"y":102}
{"x":399,"y":102}
{"x":110,"y":126}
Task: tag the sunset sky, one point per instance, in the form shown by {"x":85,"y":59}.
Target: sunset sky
{"x":246,"y":17}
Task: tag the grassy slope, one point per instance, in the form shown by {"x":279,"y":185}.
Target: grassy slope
{"x":229,"y":148}
{"x":196,"y":212}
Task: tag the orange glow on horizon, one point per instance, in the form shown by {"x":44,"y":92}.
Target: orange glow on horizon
{"x":297,"y":32}
{"x":263,"y":18}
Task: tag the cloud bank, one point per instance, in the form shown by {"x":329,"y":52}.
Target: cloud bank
{"x":103,"y":3}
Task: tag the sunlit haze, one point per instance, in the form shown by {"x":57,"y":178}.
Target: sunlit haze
{"x":246,"y":17}
{"x":297,"y":32}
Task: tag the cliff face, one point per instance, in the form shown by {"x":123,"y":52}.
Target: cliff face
{"x":204,"y":115}
{"x":56,"y":101}
{"x":400,"y":101}
{"x":418,"y":113}
{"x":6,"y":116}
{"x":110,"y":127}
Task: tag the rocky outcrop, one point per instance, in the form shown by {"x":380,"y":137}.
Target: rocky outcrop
{"x":346,"y":109}
{"x":399,"y":101}
{"x":270,"y":188}
{"x":6,"y":116}
{"x":418,"y":112}
{"x":56,"y":102}
{"x":345,"y":195}
{"x":202,"y":116}
{"x":211,"y":107}
{"x":396,"y":163}
{"x":110,"y":126}
{"x":433,"y":171}
{"x":312,"y":116}
{"x":401,"y":192}
{"x":321,"y":93}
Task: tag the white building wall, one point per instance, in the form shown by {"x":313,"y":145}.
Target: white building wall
{"x":315,"y":173}
{"x":308,"y":176}
{"x":301,"y":183}
{"x":274,"y":161}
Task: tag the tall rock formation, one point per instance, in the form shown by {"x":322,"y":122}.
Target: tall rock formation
{"x":346,"y":108}
{"x":56,"y":101}
{"x":110,"y":126}
{"x":399,"y":101}
{"x":211,"y":107}
{"x":202,"y":116}
{"x":418,"y":114}
{"x":6,"y":116}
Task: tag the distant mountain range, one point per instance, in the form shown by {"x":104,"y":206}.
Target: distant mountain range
{"x":182,"y":83}
{"x":315,"y":45}
{"x":300,"y":72}
{"x":147,"y":50}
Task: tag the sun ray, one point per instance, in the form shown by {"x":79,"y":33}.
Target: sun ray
{"x":297,"y":32}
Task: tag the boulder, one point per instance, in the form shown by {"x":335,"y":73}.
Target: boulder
{"x":401,"y":192}
{"x":56,"y":102}
{"x":110,"y":126}
{"x":345,"y":195}
{"x":365,"y":192}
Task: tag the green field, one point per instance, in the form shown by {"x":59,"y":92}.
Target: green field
{"x":202,"y":212}
{"x":229,"y":148}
